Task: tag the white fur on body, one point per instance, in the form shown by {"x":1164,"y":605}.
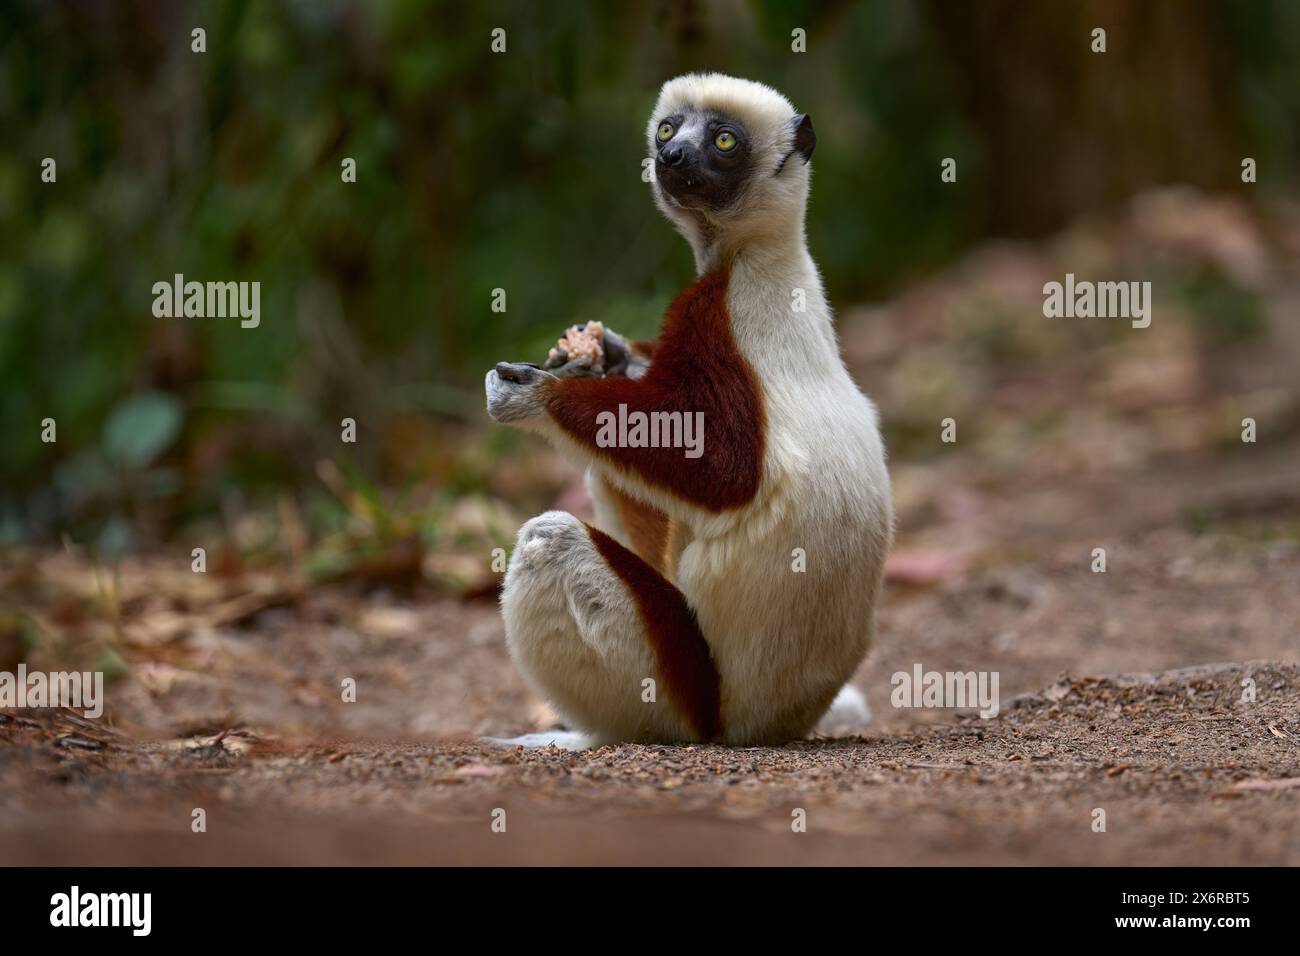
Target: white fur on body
{"x":784,"y":641}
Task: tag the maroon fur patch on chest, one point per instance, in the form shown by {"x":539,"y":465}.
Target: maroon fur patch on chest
{"x":682,"y":655}
{"x":697,"y":368}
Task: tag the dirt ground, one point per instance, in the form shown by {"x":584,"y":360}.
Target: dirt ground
{"x":1185,"y":769}
{"x":1162,"y":696}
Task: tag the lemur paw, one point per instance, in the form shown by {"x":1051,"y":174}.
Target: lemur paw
{"x":611,"y":355}
{"x":848,"y":713}
{"x":514,"y":391}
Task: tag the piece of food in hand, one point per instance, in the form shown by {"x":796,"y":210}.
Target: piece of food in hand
{"x":583,"y":344}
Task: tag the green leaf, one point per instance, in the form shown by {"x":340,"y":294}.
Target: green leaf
{"x":141,"y":427}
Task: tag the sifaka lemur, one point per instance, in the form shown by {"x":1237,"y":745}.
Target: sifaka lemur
{"x":728,"y":596}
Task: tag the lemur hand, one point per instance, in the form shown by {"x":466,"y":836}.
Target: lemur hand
{"x":514,"y":391}
{"x":611,"y":356}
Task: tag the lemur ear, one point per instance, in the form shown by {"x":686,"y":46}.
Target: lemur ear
{"x":805,"y":138}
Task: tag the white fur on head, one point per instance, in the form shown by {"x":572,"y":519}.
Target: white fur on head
{"x":773,"y":204}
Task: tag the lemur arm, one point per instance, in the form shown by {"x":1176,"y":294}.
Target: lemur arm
{"x":698,"y":371}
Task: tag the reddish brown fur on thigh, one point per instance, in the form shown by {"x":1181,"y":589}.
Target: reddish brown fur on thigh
{"x":682,"y":655}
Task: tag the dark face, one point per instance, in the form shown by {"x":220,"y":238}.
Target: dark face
{"x":702,"y":159}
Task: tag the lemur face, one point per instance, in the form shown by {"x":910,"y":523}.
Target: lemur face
{"x":727,"y":153}
{"x":703,"y":159}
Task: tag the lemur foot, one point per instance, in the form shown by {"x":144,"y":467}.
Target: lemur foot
{"x":563,"y":739}
{"x":848,"y":713}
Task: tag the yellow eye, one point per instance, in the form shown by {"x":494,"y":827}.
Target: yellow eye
{"x":665,"y":132}
{"x":724,"y":141}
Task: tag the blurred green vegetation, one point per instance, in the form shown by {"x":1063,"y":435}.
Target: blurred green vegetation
{"x":519,"y":171}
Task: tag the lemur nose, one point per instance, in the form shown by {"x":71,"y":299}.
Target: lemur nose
{"x":674,"y":154}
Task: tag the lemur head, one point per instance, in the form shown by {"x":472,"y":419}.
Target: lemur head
{"x":731,"y":161}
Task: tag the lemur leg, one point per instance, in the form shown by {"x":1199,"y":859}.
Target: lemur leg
{"x":638,"y":526}
{"x":604,"y":505}
{"x":577,"y":631}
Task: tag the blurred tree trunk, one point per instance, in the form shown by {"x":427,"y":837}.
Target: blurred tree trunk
{"x":1068,"y":130}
